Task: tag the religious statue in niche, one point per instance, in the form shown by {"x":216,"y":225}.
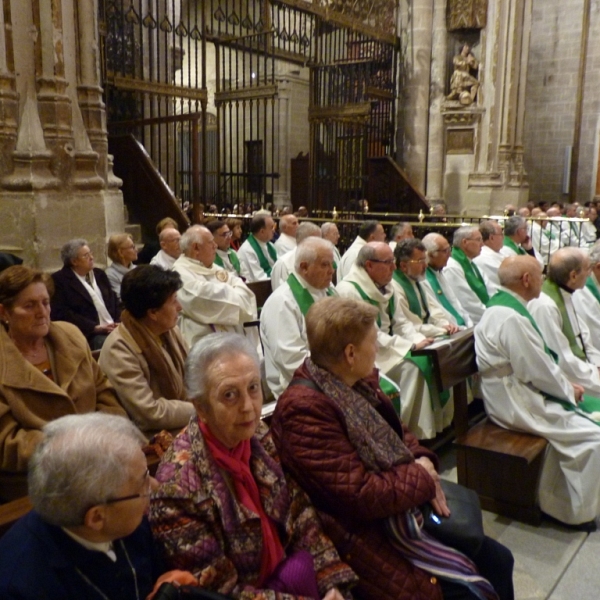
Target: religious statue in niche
{"x":464,"y":83}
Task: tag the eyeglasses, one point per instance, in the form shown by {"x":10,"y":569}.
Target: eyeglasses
{"x":417,"y":261}
{"x":479,"y":240}
{"x":443,"y":250}
{"x":388,"y":261}
{"x":144,"y":494}
{"x":226,"y":234}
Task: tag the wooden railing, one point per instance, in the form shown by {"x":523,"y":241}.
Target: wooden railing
{"x":147,"y":195}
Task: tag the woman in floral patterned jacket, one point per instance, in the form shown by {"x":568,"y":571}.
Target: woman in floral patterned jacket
{"x":224,"y":509}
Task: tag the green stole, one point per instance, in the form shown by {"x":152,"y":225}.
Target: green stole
{"x":501,"y":298}
{"x":301,"y":295}
{"x":262,"y":259}
{"x":391,"y":306}
{"x":590,"y":284}
{"x":472,"y":275}
{"x":511,"y":244}
{"x":552,"y":290}
{"x":589,"y":404}
{"x":437,"y":289}
{"x":235,"y":261}
{"x":414,"y":305}
{"x":548,"y":234}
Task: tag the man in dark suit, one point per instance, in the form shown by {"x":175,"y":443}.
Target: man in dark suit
{"x":87,"y":536}
{"x":83,"y":295}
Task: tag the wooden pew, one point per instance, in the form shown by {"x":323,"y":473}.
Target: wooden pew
{"x":12,"y":512}
{"x":502,"y":466}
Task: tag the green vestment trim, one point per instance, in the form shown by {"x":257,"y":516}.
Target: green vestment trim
{"x":414,"y":305}
{"x":551,"y":289}
{"x":262,"y":259}
{"x":511,"y":244}
{"x":437,"y":289}
{"x":472,"y":275}
{"x":301,"y":295}
{"x":590,"y":284}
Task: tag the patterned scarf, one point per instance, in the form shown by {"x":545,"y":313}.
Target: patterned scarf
{"x":380,"y":449}
{"x":170,"y":382}
{"x":237,"y":463}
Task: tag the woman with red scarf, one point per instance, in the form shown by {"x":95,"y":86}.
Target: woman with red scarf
{"x":224,"y":508}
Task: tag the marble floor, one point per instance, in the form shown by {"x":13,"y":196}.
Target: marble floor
{"x":551,"y":562}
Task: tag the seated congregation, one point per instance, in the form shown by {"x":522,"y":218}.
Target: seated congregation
{"x":326,"y":504}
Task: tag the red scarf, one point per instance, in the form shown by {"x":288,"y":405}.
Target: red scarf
{"x":237,"y":462}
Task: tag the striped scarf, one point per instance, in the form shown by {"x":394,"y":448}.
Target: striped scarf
{"x":380,"y":448}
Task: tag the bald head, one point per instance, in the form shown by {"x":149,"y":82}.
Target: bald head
{"x":522,"y":275}
{"x":569,"y":267}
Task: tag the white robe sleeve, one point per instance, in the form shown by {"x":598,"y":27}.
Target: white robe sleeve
{"x":549,"y":320}
{"x":283,"y":335}
{"x":249,"y":264}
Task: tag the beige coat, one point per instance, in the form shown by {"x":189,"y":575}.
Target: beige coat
{"x":138,"y":387}
{"x":29,"y":400}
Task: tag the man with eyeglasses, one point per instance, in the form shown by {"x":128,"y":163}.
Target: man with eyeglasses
{"x":470,"y":285}
{"x":429,"y":321}
{"x":517,"y":241}
{"x":436,"y":284}
{"x":555,"y":314}
{"x":490,"y":259}
{"x":370,"y":280}
{"x":226,"y":257}
{"x":87,"y":536}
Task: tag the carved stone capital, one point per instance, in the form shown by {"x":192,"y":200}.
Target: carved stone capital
{"x":31,"y":172}
{"x":85,"y":176}
{"x":454,"y":115}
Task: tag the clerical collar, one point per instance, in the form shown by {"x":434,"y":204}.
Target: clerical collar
{"x":565,"y":288}
{"x":105,"y":547}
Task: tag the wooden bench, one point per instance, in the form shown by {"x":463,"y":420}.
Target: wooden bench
{"x":503,"y":467}
{"x":12,"y":512}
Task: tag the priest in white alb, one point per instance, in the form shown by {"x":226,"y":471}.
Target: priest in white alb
{"x":525,"y":389}
{"x":370,"y":280}
{"x":587,"y":300}
{"x":469,"y":284}
{"x":490,"y":258}
{"x":212,"y":298}
{"x":369,"y":231}
{"x":257,"y":254}
{"x":566,"y":333}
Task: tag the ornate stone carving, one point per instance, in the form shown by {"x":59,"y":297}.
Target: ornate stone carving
{"x":464,"y":84}
{"x":466,"y":14}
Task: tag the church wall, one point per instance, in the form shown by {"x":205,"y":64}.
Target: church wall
{"x":552,"y":97}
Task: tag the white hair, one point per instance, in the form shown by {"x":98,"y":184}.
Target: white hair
{"x":81,"y":461}
{"x":308,"y":250}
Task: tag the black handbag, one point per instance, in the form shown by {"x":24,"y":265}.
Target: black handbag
{"x":463,"y":529}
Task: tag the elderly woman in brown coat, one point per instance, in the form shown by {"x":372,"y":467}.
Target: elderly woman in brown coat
{"x":46,"y":371}
{"x":339,"y":436}
{"x":144,"y":357}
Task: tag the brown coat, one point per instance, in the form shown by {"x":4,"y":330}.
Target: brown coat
{"x":310,"y":434}
{"x":28,"y":399}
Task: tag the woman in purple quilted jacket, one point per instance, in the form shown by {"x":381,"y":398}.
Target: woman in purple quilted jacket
{"x":224,"y":508}
{"x":340,"y":438}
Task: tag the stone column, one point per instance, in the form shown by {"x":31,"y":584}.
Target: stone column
{"x":499,"y":177}
{"x":89,"y":91}
{"x":54,"y":105}
{"x":414,"y":97}
{"x":435,"y":145}
{"x":9,"y":107}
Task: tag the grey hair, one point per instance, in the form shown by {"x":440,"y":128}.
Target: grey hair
{"x":326,"y":227}
{"x":430,"y":242}
{"x":399,"y":228}
{"x":512,"y":224}
{"x":68,"y":253}
{"x":204,"y":353}
{"x":82,"y":461}
{"x":488,"y":229}
{"x":307,"y":229}
{"x":463,"y":233}
{"x":308,"y":250}
{"x":405,"y":248}
{"x":366,"y":253}
{"x":191,"y":236}
{"x":595,"y":254}
{"x":562,"y":262}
